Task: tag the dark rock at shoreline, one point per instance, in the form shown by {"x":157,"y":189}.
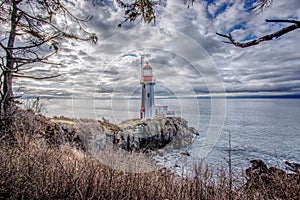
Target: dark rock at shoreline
{"x":185,"y":153}
{"x":294,"y":167}
{"x":262,"y":179}
{"x":134,"y":135}
{"x":144,"y":136}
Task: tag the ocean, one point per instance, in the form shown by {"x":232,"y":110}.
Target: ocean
{"x":267,"y":129}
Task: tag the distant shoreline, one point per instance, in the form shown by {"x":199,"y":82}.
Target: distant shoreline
{"x":204,"y":97}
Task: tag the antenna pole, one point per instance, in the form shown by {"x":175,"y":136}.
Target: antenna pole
{"x":142,"y":60}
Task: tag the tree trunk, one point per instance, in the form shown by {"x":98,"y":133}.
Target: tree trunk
{"x":8,"y":95}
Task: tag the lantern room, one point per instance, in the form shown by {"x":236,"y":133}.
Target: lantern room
{"x":147,"y":76}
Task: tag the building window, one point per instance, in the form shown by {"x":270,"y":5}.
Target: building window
{"x":148,"y":95}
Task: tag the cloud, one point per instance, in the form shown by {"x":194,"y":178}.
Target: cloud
{"x":179,"y":67}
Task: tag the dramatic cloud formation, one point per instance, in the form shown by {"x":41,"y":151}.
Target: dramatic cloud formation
{"x":189,"y":59}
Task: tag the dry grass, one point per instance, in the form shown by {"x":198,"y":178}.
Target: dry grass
{"x":38,"y":171}
{"x":33,"y":168}
{"x":64,"y":121}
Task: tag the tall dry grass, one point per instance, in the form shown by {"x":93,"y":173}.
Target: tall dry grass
{"x":39,"y":171}
{"x":31,"y":167}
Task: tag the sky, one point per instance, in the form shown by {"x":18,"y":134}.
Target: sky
{"x":188,"y":58}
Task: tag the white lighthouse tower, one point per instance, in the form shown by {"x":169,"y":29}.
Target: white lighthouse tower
{"x":147,"y":82}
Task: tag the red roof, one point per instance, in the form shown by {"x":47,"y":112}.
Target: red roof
{"x":147,"y":67}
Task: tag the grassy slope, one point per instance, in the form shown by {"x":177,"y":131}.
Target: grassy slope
{"x":39,"y":166}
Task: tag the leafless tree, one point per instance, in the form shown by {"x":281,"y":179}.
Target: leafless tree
{"x":31,"y":31}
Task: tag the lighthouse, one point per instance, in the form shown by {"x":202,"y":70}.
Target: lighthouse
{"x":147,"y":82}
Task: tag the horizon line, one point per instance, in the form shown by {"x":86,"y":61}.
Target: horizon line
{"x":290,"y":96}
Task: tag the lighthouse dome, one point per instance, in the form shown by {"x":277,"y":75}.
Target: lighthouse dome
{"x":147,"y":66}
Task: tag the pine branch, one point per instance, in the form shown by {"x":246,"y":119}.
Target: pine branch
{"x":261,"y":5}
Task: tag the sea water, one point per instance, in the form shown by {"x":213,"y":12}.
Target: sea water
{"x":267,"y":129}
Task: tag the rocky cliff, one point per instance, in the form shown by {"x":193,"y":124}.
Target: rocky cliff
{"x":130,"y":135}
{"x":137,"y":136}
{"x":133,"y":135}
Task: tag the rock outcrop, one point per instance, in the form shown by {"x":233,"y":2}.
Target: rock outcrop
{"x":271,"y":181}
{"x":130,"y":135}
{"x":134,"y":135}
{"x":26,"y":123}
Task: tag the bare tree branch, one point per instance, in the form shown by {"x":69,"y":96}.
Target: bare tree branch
{"x":2,"y":3}
{"x":283,"y":20}
{"x":25,"y":61}
{"x":36,"y":45}
{"x":78,"y":21}
{"x":295,"y":25}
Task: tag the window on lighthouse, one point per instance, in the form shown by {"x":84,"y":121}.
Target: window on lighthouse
{"x":147,"y":72}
